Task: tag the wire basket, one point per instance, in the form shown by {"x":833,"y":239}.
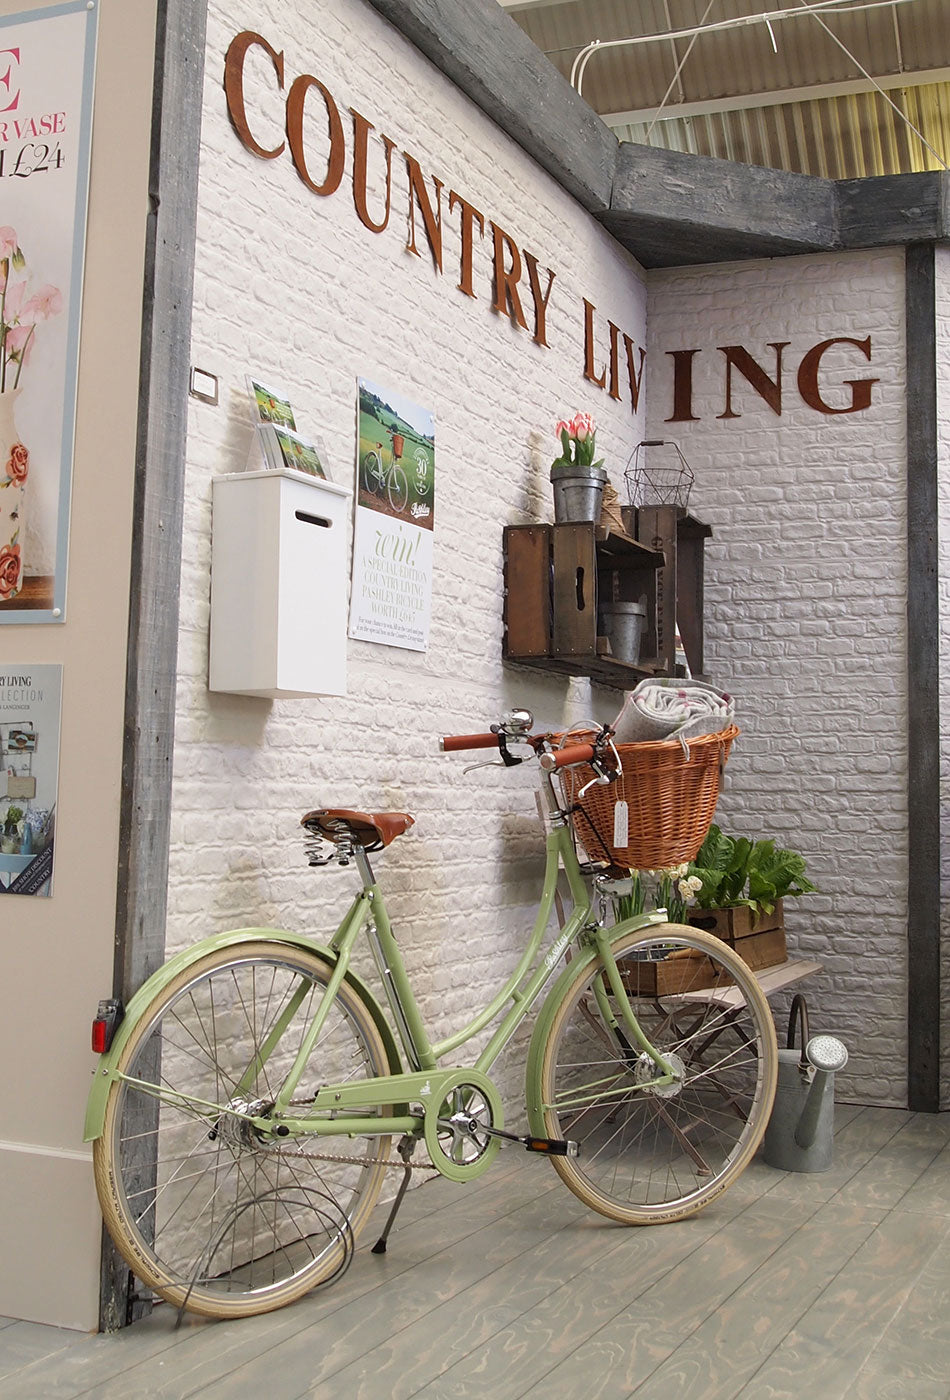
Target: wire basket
{"x":671,"y":798}
{"x":649,"y":485}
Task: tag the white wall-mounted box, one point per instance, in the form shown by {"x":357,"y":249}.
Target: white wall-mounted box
{"x":278,"y":585}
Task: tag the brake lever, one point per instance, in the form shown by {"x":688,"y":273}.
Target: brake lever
{"x":492,"y":763}
{"x":508,"y":760}
{"x":601,"y":779}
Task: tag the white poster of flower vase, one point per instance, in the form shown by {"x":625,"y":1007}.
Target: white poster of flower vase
{"x":23,"y":307}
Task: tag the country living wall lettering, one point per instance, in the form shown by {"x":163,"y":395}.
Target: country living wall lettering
{"x":830,"y":393}
{"x":518,"y":287}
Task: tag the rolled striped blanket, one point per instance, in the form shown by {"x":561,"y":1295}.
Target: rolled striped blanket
{"x":672,"y":709}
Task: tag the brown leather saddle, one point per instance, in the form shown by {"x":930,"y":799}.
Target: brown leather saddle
{"x":371,"y":830}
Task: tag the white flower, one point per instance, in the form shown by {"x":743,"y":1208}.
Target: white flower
{"x":695,"y":883}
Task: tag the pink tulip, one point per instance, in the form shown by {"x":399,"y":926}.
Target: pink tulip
{"x":562,"y":427}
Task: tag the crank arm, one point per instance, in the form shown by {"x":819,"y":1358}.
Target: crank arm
{"x":552,"y":1147}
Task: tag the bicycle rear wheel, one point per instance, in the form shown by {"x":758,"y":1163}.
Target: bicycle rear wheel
{"x":398,"y":489}
{"x":210,"y":1215}
{"x":657,"y":1152}
{"x":371,"y":473}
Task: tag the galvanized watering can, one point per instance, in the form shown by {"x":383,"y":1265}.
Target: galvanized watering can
{"x":801,"y":1128}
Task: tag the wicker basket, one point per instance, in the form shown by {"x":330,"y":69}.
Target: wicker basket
{"x":671,"y":800}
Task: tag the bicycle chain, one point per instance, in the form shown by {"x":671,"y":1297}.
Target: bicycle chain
{"x":362,"y":1161}
{"x":357,"y":1161}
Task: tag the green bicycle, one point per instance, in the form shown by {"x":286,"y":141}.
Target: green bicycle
{"x":243,"y":1108}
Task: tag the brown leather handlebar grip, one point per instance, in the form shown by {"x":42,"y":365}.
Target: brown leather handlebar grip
{"x":562,"y":758}
{"x":453,"y":742}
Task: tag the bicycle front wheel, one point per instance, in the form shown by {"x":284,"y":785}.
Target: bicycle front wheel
{"x":652,"y":1151}
{"x":208,"y":1213}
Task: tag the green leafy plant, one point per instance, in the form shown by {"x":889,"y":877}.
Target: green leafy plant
{"x":755,"y":874}
{"x":12,"y":819}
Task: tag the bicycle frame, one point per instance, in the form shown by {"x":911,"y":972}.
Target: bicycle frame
{"x":522,"y":989}
{"x":351,"y":1104}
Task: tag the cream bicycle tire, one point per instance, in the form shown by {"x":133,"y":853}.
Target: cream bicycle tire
{"x":204,"y":1213}
{"x":651,"y":1156}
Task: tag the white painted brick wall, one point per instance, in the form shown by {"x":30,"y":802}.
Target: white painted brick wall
{"x":293,"y":288}
{"x":806,"y":575}
{"x":943,"y":512}
{"x":806,"y":585}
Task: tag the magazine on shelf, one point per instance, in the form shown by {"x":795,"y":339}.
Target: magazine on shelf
{"x":283,"y":448}
{"x":270,"y":405}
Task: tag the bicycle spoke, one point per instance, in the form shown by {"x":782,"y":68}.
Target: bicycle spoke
{"x":230,"y":1217}
{"x":655,"y":1145}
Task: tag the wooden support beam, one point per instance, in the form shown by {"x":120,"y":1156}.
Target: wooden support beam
{"x":491,"y":59}
{"x":923,"y":676}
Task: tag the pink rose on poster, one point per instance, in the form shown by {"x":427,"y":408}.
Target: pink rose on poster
{"x":9,"y":570}
{"x":18,"y":465}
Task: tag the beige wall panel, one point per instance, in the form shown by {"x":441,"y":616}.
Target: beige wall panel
{"x":56,"y":953}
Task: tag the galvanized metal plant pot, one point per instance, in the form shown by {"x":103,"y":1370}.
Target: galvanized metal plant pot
{"x":578,"y":493}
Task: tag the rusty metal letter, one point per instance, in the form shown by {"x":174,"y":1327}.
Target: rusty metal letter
{"x":506,"y":299}
{"x":635,"y":375}
{"x":469,"y":215}
{"x":589,"y":371}
{"x":808,"y":377}
{"x":433,"y":221}
{"x":539,"y":298}
{"x":682,"y":387}
{"x":296,"y":99}
{"x":361,"y":130}
{"x":768,"y":389}
{"x":234,"y":87}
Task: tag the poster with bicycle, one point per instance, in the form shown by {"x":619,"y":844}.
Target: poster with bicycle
{"x":391,"y":598}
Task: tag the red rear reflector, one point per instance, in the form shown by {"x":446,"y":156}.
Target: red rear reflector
{"x":103,"y":1027}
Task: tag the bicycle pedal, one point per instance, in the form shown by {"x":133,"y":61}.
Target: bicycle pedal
{"x":552,"y":1147}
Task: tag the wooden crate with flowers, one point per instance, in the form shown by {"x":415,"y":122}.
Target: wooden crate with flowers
{"x":737,"y":894}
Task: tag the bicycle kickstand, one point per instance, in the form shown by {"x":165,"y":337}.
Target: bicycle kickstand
{"x":405,"y":1147}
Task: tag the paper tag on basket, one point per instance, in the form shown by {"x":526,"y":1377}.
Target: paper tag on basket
{"x":621,"y":823}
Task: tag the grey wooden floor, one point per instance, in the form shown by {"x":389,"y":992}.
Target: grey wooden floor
{"x":827,"y":1286}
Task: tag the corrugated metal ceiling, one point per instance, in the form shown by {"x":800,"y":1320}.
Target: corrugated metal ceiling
{"x":803,"y":105}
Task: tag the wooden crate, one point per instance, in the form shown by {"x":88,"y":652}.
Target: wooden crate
{"x":555,"y":576}
{"x":689,"y":971}
{"x":759,"y":942}
{"x":683,"y":971}
{"x":731,"y":924}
